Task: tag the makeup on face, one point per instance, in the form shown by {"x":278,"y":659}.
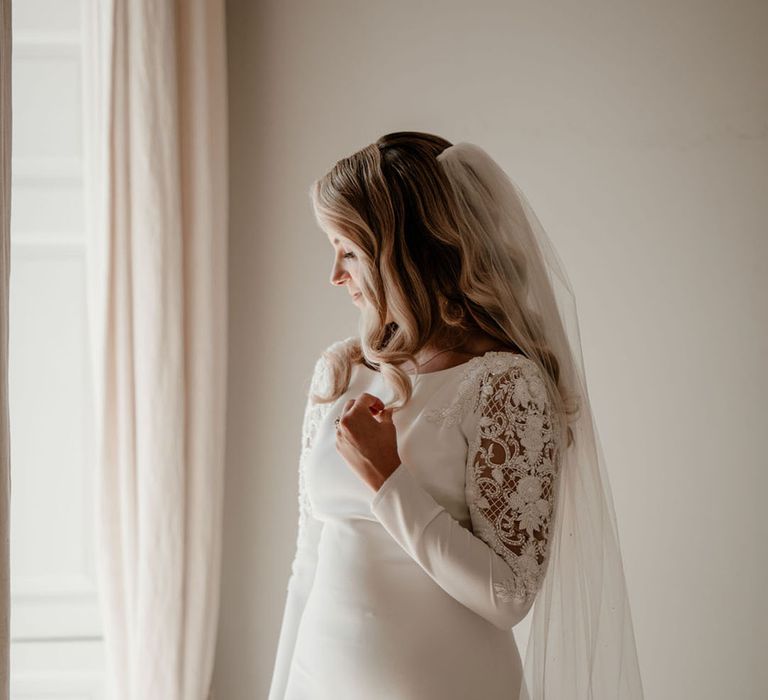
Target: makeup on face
{"x":344,"y":275}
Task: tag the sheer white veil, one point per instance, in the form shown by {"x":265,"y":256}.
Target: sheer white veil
{"x":581,"y":644}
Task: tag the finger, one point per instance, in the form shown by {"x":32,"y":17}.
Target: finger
{"x":347,"y":405}
{"x":368,"y":405}
{"x":370,"y":401}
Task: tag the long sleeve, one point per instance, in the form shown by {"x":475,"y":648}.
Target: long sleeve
{"x":495,"y":570}
{"x":305,"y":558}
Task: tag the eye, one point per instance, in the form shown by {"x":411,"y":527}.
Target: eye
{"x":348,"y":255}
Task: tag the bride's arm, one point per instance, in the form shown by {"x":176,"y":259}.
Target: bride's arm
{"x":497,"y":569}
{"x":305,"y":557}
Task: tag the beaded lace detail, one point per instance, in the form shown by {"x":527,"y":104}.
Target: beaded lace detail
{"x":511,"y":464}
{"x":313,"y":417}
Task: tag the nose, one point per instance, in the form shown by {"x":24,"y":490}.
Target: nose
{"x":339,"y":275}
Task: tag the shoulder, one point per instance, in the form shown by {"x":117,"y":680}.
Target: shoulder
{"x":335,"y":347}
{"x":320,"y":371}
{"x":490,"y":381}
{"x":339,"y":344}
{"x":514,"y":375}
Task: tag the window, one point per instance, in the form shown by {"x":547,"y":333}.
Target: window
{"x":56,"y":635}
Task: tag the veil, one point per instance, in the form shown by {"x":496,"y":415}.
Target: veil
{"x":581,"y":644}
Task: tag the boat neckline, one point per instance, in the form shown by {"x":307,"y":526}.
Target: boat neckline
{"x":450,"y":369}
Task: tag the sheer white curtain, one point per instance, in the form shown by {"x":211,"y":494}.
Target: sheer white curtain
{"x":5,"y":268}
{"x":157,"y":174}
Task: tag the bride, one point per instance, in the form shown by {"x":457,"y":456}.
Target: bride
{"x":451,"y":479}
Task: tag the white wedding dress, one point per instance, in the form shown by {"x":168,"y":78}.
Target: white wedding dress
{"x":411,"y":592}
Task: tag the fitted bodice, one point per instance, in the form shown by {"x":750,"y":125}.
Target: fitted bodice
{"x":435,"y":452}
{"x":411,"y":591}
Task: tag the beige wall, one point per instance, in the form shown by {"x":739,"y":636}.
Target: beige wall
{"x":639,"y":135}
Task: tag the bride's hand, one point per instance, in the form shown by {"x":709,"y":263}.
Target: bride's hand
{"x":367,"y":439}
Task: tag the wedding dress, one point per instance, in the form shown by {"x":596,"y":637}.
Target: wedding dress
{"x":411,"y":592}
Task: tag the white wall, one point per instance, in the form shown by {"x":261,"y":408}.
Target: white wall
{"x":639,"y":135}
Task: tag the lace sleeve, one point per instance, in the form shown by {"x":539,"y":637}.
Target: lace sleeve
{"x":510,"y":475}
{"x":495,"y":569}
{"x":313,"y":414}
{"x":308,"y":536}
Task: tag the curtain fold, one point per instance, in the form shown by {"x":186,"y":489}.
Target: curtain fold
{"x":157,"y":162}
{"x":5,"y":272}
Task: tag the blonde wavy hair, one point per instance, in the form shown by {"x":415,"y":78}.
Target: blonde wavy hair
{"x":425,"y":284}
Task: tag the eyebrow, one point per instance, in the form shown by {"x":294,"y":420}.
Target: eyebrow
{"x":342,"y":241}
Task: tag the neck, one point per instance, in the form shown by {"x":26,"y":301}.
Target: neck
{"x":471,"y":344}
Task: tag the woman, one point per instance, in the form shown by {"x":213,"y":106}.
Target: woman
{"x":450,"y":475}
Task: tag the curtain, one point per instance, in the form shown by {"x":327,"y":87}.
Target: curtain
{"x":157,"y":173}
{"x":5,"y":271}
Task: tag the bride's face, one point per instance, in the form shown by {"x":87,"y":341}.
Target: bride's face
{"x":346,"y":264}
